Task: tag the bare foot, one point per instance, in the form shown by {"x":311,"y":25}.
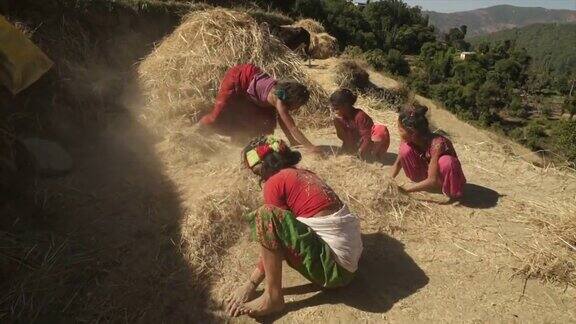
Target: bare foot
{"x":263,"y":305}
{"x":243,"y":294}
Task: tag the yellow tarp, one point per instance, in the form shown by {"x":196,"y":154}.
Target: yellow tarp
{"x":21,"y":62}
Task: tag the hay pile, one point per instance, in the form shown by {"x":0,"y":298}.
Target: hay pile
{"x":181,"y":77}
{"x":323,"y":46}
{"x":311,"y":25}
{"x":349,"y":74}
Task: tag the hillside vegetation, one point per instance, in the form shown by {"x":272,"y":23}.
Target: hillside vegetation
{"x":493,"y":19}
{"x":552,"y":48}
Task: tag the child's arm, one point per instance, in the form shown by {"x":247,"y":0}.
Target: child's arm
{"x":289,"y":135}
{"x":396,"y":168}
{"x":290,"y":126}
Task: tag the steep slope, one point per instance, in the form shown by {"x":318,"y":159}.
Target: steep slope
{"x":551,"y":46}
{"x":493,"y":19}
{"x":450,"y":263}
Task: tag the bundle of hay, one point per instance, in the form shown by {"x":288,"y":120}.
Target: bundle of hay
{"x":311,"y":25}
{"x":351,"y":75}
{"x":181,"y":77}
{"x":323,"y":46}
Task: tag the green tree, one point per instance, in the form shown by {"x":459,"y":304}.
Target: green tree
{"x":396,"y":64}
{"x":466,"y":72}
{"x":491,"y":97}
{"x":565,"y":138}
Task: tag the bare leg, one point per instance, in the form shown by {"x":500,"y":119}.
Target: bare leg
{"x":272,"y":300}
{"x":244,"y":293}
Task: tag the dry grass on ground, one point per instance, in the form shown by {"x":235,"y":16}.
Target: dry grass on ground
{"x":551,"y":254}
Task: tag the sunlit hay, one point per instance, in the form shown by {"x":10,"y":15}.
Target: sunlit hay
{"x":349,"y":74}
{"x":216,"y":220}
{"x":552,"y":254}
{"x":180,"y":78}
{"x":184,"y":149}
{"x":311,"y":25}
{"x":323,"y":46}
{"x":368,"y":190}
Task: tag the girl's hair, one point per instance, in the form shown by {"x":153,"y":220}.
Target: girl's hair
{"x":343,"y":97}
{"x":292,"y":93}
{"x":273,"y":161}
{"x":413,"y":117}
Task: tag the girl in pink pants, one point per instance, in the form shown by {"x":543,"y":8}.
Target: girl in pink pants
{"x":427,"y":159}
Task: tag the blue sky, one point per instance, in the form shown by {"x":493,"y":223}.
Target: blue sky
{"x":463,"y":5}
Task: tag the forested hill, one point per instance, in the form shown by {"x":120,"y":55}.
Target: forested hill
{"x":493,"y":19}
{"x":551,"y":46}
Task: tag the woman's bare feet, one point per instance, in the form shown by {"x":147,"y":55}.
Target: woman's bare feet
{"x":243,"y":294}
{"x":263,"y":305}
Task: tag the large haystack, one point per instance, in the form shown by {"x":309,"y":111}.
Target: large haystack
{"x":311,"y":25}
{"x":181,"y":77}
{"x":323,"y":46}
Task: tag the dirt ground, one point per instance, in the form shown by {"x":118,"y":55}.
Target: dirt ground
{"x":453,"y":263}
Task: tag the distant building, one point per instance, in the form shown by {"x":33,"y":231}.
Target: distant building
{"x":467,"y":55}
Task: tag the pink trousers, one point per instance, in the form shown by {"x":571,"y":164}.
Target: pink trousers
{"x":416,"y":169}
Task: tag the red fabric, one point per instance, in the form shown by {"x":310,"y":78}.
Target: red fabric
{"x":380,"y":140}
{"x":359,"y":135}
{"x":300,"y":191}
{"x":234,"y":111}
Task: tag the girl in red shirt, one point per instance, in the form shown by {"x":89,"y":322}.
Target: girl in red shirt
{"x":356,"y":129}
{"x":250,"y":102}
{"x":426,"y":158}
{"x":302,"y":221}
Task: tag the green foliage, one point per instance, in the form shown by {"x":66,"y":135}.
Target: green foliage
{"x":564,"y":138}
{"x":376,"y":58}
{"x":392,"y":62}
{"x":516,"y":108}
{"x":353,"y":52}
{"x":531,"y":135}
{"x":383,"y":24}
{"x":396,"y":64}
{"x":552,"y":48}
{"x":455,"y":37}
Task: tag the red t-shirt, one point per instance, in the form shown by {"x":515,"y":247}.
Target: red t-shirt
{"x":300,"y":191}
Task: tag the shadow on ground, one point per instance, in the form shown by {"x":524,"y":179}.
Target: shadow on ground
{"x":386,"y":275}
{"x":108,"y":247}
{"x":479,"y":197}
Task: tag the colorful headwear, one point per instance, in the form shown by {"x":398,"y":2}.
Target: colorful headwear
{"x":271,"y":144}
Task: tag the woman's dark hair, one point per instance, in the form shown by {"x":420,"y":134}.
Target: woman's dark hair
{"x":413,"y":116}
{"x":273,"y":162}
{"x":292,"y":93}
{"x":343,"y":97}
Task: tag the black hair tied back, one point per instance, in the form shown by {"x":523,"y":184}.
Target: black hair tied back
{"x":343,"y":97}
{"x":413,"y":116}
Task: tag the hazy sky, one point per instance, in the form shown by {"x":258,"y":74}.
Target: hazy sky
{"x":462,"y":5}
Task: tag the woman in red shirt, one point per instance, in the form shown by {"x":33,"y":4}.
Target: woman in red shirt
{"x":302,"y":221}
{"x":356,"y":129}
{"x":250,"y":102}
